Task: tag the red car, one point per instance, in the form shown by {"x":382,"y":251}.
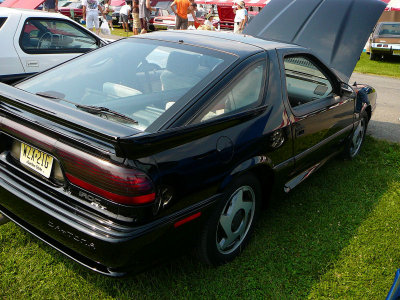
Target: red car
{"x":74,"y":10}
{"x":227,"y":16}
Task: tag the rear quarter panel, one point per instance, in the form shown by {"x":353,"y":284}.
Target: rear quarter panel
{"x":196,"y":162}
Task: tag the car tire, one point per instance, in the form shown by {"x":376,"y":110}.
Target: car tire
{"x":230,"y":226}
{"x":373,"y":56}
{"x":357,"y":137}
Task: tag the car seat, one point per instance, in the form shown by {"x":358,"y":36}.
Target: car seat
{"x":181,"y":71}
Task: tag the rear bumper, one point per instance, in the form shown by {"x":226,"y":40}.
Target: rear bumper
{"x":161,"y":26}
{"x":392,"y":49}
{"x":93,"y":241}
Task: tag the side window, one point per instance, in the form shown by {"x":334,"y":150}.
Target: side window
{"x":305,"y":82}
{"x":245,"y":92}
{"x":49,"y":35}
{"x":2,"y":21}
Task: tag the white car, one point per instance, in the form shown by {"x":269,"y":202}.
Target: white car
{"x":33,"y":41}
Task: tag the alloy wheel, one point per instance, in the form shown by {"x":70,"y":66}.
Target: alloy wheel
{"x":358,"y":137}
{"x":235,"y":220}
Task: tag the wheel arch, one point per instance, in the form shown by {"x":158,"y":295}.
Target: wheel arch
{"x":261,"y":168}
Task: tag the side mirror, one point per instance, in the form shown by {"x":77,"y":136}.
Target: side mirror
{"x":346,"y":90}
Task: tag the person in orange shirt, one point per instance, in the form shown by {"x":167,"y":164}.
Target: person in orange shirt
{"x":180,"y":8}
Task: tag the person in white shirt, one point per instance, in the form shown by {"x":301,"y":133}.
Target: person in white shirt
{"x":208,"y":21}
{"x":124,"y":13}
{"x":191,"y":16}
{"x":91,"y":10}
{"x":241,"y":17}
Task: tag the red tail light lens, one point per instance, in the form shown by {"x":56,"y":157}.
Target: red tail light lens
{"x":116,"y":183}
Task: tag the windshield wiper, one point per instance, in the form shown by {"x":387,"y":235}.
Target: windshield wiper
{"x":88,"y":108}
{"x":51,"y":96}
{"x":100,"y":110}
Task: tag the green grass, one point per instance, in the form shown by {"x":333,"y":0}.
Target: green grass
{"x":336,"y":236}
{"x":120,"y":32}
{"x":388,"y":67}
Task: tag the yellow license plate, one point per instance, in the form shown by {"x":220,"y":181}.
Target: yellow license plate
{"x":36,"y":160}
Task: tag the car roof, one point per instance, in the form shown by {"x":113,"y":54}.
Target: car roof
{"x":237,"y":44}
{"x":30,"y":12}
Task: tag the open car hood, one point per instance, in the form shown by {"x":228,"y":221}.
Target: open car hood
{"x":336,"y":30}
{"x":29,"y":4}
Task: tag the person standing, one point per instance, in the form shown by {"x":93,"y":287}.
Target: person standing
{"x":50,"y":5}
{"x":191,"y":15}
{"x":135,"y":17}
{"x":108,"y":12}
{"x":241,"y":17}
{"x":144,"y":14}
{"x":180,"y":8}
{"x":124,"y":12}
{"x":91,"y":10}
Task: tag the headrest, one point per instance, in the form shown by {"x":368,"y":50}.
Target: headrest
{"x":182,"y":63}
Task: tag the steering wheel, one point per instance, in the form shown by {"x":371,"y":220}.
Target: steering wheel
{"x":45,"y":40}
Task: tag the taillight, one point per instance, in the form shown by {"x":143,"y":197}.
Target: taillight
{"x":113,"y":182}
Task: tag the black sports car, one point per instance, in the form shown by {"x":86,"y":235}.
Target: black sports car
{"x":188,"y":139}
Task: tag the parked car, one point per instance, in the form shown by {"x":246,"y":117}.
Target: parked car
{"x":186,"y":141}
{"x":226,"y":15}
{"x":73,"y":10}
{"x":163,"y":19}
{"x":384,"y":41}
{"x":33,"y":41}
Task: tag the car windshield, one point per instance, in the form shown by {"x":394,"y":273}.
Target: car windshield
{"x":390,"y":29}
{"x":140,"y":79}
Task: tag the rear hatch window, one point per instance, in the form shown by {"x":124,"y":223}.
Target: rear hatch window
{"x":132,"y":81}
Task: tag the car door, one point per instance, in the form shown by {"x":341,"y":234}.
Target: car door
{"x":321,"y":112}
{"x":10,"y":64}
{"x":42,"y":43}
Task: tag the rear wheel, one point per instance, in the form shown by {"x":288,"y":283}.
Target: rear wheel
{"x":230,"y":226}
{"x":354,"y":145}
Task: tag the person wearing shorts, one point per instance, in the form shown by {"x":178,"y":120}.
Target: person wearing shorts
{"x":91,"y":10}
{"x":180,"y":8}
{"x":135,"y":17}
{"x":241,"y":17}
{"x":124,"y":13}
{"x":144,"y":14}
{"x":191,"y":15}
{"x":108,"y":12}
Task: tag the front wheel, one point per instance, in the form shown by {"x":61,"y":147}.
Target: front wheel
{"x":230,"y":226}
{"x":357,"y":138}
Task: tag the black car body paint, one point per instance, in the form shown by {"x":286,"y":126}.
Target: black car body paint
{"x":186,"y":164}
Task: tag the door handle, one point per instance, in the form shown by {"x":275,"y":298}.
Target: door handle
{"x":32,"y":63}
